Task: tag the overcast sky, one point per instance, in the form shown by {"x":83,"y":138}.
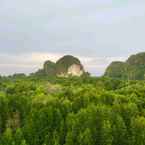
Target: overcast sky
{"x":96,"y":31}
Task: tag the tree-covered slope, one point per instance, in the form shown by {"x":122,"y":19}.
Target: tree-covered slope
{"x":132,"y":69}
{"x":116,"y":69}
{"x":49,"y":68}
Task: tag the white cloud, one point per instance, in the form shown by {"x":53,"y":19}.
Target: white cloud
{"x":97,"y":65}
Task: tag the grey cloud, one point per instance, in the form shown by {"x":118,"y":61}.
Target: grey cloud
{"x":94,"y":28}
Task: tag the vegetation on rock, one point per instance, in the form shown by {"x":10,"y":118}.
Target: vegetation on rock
{"x":61,"y":67}
{"x":65,"y":62}
{"x":132,"y":69}
{"x":49,"y":68}
{"x":71,"y":111}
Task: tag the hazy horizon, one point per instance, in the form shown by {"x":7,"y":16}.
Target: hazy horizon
{"x":96,"y":31}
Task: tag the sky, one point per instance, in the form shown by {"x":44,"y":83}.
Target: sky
{"x":96,"y":31}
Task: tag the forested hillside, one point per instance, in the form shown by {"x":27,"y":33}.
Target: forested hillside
{"x":132,"y":69}
{"x":71,"y":111}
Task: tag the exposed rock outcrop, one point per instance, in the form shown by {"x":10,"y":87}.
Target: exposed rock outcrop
{"x":64,"y":67}
{"x":69,"y":65}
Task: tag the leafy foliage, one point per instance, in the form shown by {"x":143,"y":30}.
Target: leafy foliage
{"x":71,"y":111}
{"x":132,"y":69}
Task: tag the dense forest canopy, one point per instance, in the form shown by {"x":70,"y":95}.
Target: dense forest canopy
{"x":71,"y":111}
{"x":44,"y":109}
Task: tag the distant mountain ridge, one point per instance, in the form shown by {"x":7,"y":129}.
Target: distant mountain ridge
{"x":132,"y":69}
{"x":66,"y":66}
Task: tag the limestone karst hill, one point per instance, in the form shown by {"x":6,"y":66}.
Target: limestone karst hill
{"x":132,"y":69}
{"x":66,"y":66}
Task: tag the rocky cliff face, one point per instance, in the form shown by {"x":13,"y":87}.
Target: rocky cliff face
{"x":75,"y":70}
{"x":69,"y":65}
{"x":64,"y":67}
{"x":132,"y":69}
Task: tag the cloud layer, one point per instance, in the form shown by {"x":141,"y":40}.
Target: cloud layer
{"x":97,"y":31}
